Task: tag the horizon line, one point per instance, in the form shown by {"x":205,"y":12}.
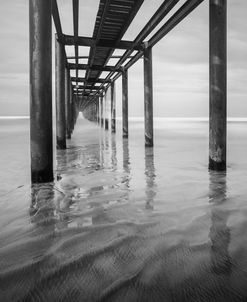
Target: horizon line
{"x":140,"y":118}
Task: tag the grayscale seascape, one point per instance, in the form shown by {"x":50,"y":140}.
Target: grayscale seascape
{"x":125,"y":223}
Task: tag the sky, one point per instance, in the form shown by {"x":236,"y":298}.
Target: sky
{"x":180,"y":59}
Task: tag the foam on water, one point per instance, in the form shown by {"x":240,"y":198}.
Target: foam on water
{"x":125,"y":223}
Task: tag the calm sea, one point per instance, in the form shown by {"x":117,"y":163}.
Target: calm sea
{"x":125,"y":223}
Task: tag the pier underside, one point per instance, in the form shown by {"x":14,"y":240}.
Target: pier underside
{"x":88,"y":94}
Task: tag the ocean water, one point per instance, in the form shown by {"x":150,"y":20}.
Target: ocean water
{"x":125,"y":223}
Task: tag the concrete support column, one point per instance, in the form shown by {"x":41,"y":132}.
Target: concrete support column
{"x":72,"y":112}
{"x":106,"y":113}
{"x":148,"y":97}
{"x":60,"y":96}
{"x":101,"y":111}
{"x":67,"y":102}
{"x":41,"y":91}
{"x":97,"y":111}
{"x":218,"y":85}
{"x":113,"y":107}
{"x":70,"y":109}
{"x":75,"y":108}
{"x":125,"y":103}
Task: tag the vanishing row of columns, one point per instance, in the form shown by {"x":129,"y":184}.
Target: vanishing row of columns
{"x":66,"y":112}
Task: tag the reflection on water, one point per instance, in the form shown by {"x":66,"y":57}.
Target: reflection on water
{"x":126,"y":164}
{"x":123,"y":224}
{"x":220,"y":235}
{"x":114,"y":152}
{"x":150,"y":178}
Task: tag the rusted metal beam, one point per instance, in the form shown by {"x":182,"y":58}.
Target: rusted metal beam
{"x":41,"y":91}
{"x":218,"y":85}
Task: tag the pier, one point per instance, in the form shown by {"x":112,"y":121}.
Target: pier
{"x":89,"y":94}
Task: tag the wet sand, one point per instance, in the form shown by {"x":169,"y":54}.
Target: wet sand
{"x":123,"y":223}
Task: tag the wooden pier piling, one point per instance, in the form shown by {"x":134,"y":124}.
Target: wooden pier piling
{"x":60,"y":96}
{"x":125,"y":103}
{"x":41,"y":91}
{"x":113,"y":107}
{"x":218,"y":85}
{"x":148,"y":97}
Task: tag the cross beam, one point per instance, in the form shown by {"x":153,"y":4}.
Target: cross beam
{"x":79,"y":80}
{"x":91,"y":42}
{"x":93,"y":67}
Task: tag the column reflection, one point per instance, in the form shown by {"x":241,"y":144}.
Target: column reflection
{"x":42,"y":206}
{"x":219,"y":234}
{"x":114,"y":152}
{"x":126,"y":163}
{"x":150,"y":178}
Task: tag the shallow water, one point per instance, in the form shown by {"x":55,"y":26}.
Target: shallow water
{"x":125,"y":223}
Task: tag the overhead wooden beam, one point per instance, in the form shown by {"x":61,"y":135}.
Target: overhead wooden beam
{"x":91,"y":42}
{"x":93,"y":67}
